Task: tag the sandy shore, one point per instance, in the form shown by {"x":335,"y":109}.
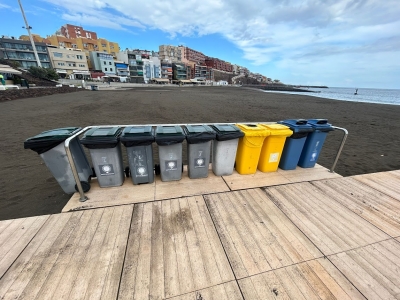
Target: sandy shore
{"x":27,"y":188}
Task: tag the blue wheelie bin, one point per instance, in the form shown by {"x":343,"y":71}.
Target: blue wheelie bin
{"x":314,"y":142}
{"x":294,"y":144}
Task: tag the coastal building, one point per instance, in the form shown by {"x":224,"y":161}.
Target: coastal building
{"x":192,"y":55}
{"x":170,"y":53}
{"x":179,"y":71}
{"x":218,"y":64}
{"x":166,"y":70}
{"x":22,"y":52}
{"x":102,"y":62}
{"x":72,"y":36}
{"x":69,"y":63}
{"x":122,"y":69}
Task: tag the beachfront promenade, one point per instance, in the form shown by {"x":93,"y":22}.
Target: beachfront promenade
{"x":305,"y":234}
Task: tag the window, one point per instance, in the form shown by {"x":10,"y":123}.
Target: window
{"x":71,"y":64}
{"x":112,"y":46}
{"x":111,"y":69}
{"x":105,"y":63}
{"x":61,"y":64}
{"x":79,"y":57}
{"x":105,"y":69}
{"x":110,"y":63}
{"x":85,"y":45}
{"x":57,"y":54}
{"x":82,"y":66}
{"x":104,"y":45}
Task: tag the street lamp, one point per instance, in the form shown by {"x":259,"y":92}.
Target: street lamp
{"x":28,"y":28}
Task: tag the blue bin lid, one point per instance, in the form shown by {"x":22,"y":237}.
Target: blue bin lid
{"x":297,"y":125}
{"x":320,"y":124}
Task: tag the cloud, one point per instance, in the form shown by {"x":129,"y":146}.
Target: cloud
{"x":289,"y":33}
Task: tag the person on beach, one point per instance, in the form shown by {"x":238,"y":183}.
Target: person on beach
{"x":3,"y":82}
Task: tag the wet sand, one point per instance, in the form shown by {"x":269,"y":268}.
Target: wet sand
{"x":27,"y":188}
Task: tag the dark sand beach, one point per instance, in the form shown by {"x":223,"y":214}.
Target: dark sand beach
{"x":27,"y":188}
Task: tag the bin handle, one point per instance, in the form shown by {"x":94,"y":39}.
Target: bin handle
{"x":301,"y":122}
{"x":322,"y":121}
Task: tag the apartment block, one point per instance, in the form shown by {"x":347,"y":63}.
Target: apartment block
{"x":22,"y":52}
{"x":218,"y":64}
{"x":102,"y":62}
{"x":179,"y":71}
{"x":73,"y":32}
{"x":170,"y":53}
{"x":191,"y":55}
{"x":69,"y":63}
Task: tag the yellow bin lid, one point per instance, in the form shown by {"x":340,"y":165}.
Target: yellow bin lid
{"x":278,"y":129}
{"x":253,"y":129}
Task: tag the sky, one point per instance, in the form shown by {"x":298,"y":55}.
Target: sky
{"x":338,"y":43}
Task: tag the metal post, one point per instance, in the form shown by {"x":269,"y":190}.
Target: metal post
{"x":340,"y":147}
{"x":83,"y":198}
{"x":30,"y":35}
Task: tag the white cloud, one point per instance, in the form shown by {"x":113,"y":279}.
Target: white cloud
{"x":290,"y":33}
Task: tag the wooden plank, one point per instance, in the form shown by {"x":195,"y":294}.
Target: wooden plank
{"x":237,"y":181}
{"x":229,"y":290}
{"x":65,"y":257}
{"x":71,"y":272}
{"x":256,"y":235}
{"x":308,"y":174}
{"x":189,"y":187}
{"x":127,"y":287}
{"x":315,"y":279}
{"x":20,"y":238}
{"x":173,"y":249}
{"x":330,"y":226}
{"x":157,"y":254}
{"x":352,"y":266}
{"x":18,"y":276}
{"x":99,"y":197}
{"x":385,"y":182}
{"x":372,"y":205}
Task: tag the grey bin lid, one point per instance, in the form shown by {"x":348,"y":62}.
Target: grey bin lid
{"x":169,"y":135}
{"x":227,"y":132}
{"x":49,"y":139}
{"x":137,"y":136}
{"x":101,"y":137}
{"x":196,"y":134}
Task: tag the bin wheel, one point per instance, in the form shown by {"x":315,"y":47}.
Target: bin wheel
{"x":182,"y":168}
{"x":157,"y":169}
{"x":85,"y":186}
{"x":127,"y":172}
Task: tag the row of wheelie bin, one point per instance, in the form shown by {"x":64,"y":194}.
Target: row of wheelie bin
{"x":245,"y":147}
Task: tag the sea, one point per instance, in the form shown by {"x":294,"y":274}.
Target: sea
{"x":367,"y":95}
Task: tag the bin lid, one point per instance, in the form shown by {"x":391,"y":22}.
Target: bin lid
{"x":101,"y":137}
{"x":320,"y":124}
{"x":297,"y":125}
{"x":49,"y":139}
{"x":227,"y":132}
{"x":196,"y":134}
{"x":278,"y":129}
{"x":169,"y":135}
{"x":253,"y":130}
{"x":137,"y":136}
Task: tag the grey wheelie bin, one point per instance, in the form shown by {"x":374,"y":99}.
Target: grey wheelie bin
{"x":138,"y":142}
{"x":169,"y":140}
{"x":224,"y":148}
{"x":105,"y":149}
{"x":199,"y":139}
{"x":50,"y":146}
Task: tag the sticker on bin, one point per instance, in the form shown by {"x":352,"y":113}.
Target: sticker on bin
{"x":199,"y":162}
{"x":274,"y":157}
{"x":141,"y":171}
{"x":106,"y":169}
{"x":171,"y":165}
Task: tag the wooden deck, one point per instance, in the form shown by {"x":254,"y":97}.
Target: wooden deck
{"x":326,"y":239}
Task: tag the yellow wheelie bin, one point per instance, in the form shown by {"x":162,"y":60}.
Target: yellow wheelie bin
{"x":272,"y":148}
{"x":249,"y":148}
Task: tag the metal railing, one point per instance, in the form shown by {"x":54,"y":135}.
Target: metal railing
{"x":83,"y":197}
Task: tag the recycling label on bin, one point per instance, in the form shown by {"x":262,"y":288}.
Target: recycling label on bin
{"x":274,"y":157}
{"x":314,"y":154}
{"x":106,"y":169}
{"x":171,"y":165}
{"x":199,"y":162}
{"x":141,"y":171}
